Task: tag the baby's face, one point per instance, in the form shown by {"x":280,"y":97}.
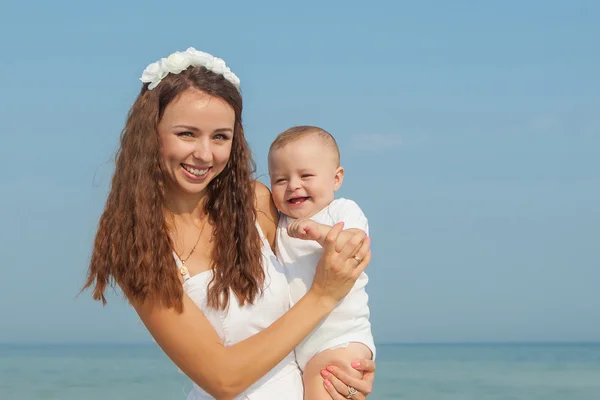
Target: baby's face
{"x":304,"y":176}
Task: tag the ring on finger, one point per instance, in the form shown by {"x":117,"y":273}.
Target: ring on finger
{"x":351,"y":392}
{"x":357,"y":258}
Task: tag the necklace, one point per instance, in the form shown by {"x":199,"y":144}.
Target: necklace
{"x":196,"y":244}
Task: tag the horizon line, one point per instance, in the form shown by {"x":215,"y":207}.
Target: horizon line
{"x":385,"y":343}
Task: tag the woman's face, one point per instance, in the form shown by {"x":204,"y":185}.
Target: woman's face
{"x":195,"y":133}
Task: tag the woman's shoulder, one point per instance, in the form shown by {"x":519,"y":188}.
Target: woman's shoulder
{"x":266,"y":212}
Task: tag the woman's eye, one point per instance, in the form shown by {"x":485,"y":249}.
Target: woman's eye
{"x":185,"y":134}
{"x":220,"y":136}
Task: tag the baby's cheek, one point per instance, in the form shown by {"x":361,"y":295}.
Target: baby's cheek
{"x":277,"y":198}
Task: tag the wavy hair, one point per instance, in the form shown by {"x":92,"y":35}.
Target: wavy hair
{"x":132,"y":247}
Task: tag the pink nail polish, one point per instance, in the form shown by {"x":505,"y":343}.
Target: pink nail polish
{"x":355,"y":364}
{"x":324,"y":373}
{"x":327,"y":383}
{"x":330,"y":369}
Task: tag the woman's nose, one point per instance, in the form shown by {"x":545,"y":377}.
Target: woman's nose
{"x":202,"y":150}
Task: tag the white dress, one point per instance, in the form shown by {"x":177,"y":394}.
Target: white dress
{"x":237,"y":323}
{"x":349,"y":321}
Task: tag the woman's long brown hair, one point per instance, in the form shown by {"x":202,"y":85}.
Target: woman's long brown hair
{"x":132,"y":247}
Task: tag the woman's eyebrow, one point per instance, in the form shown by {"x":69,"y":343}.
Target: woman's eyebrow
{"x":189,"y":127}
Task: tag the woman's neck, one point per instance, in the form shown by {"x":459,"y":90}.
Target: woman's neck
{"x":187,"y":208}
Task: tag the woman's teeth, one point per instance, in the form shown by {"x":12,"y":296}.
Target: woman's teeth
{"x":195,"y":171}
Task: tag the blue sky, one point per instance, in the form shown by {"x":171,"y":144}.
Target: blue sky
{"x":470,"y":134}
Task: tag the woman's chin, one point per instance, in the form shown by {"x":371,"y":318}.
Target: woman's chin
{"x":185,"y":188}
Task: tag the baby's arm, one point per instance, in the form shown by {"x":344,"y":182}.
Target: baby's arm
{"x":308,"y":229}
{"x":342,"y":210}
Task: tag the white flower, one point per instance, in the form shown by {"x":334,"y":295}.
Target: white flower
{"x":179,"y":61}
{"x":231,"y":77}
{"x":217,"y":66}
{"x":197,"y":57}
{"x":154,"y":73}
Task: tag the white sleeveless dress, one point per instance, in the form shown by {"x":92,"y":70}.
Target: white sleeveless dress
{"x":237,"y":323}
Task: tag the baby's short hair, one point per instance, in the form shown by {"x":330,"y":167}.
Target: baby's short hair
{"x":297,"y":132}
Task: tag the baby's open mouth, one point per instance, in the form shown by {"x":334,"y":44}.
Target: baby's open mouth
{"x":298,"y":200}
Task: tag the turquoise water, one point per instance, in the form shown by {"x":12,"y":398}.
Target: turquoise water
{"x":424,"y":372}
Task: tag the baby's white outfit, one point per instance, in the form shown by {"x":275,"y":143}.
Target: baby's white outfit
{"x":237,"y":323}
{"x":349,"y":321}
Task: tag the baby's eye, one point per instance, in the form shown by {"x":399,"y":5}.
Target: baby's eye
{"x":281,"y":180}
{"x":306,"y":176}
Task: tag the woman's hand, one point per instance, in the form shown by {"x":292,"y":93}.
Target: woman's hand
{"x":338,"y":383}
{"x":344,"y":258}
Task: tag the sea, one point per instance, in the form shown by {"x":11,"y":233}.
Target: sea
{"x":404,"y":371}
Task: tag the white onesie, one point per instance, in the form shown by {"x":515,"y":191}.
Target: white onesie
{"x":349,"y":321}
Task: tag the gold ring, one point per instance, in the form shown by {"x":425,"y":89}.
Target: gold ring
{"x":358,"y":259}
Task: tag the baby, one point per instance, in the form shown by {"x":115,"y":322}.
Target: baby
{"x":305,"y":172}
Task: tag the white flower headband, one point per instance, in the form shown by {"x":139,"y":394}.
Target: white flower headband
{"x":181,"y":60}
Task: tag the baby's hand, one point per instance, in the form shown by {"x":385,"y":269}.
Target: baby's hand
{"x":305,"y":229}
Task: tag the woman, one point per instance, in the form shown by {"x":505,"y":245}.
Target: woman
{"x":188,"y":236}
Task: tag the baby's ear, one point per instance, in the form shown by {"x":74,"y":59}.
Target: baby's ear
{"x":338,"y":178}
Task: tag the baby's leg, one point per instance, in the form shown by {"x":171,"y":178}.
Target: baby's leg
{"x":340,"y":357}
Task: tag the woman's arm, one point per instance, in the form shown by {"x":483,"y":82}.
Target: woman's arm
{"x":194,"y":346}
{"x":224,"y":372}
